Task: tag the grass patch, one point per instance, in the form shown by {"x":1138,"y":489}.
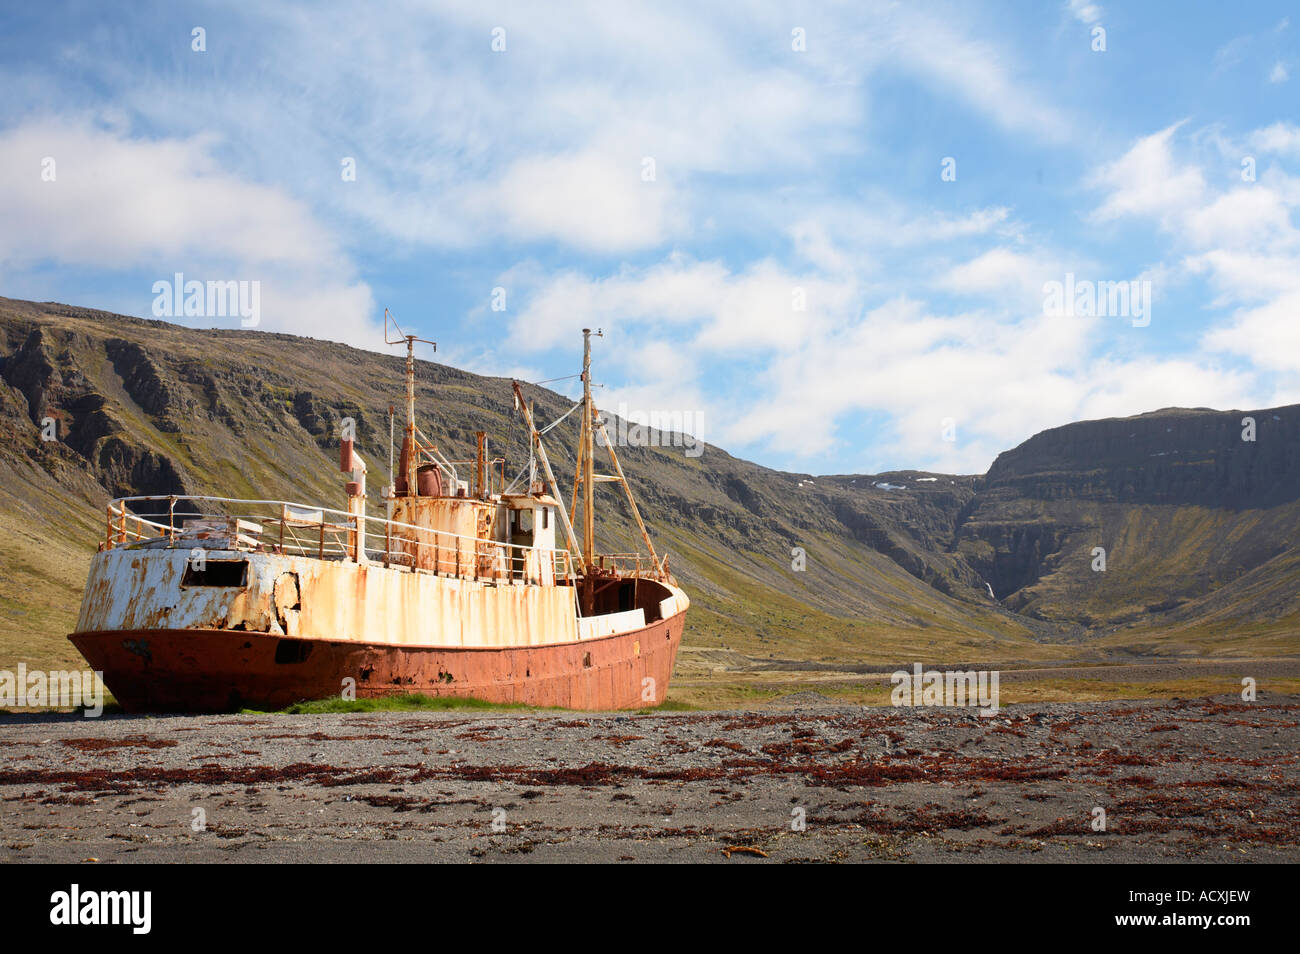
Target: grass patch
{"x":668,"y":705}
{"x":1096,"y":690}
{"x":759,"y":696}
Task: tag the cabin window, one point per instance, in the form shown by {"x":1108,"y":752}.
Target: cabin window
{"x":232,"y":573}
{"x":524,"y":521}
{"x":546,"y":517}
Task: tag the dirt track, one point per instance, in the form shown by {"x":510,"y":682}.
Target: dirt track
{"x":1208,"y":780}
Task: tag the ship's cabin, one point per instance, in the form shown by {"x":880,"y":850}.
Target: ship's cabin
{"x":521,"y":520}
{"x":530,"y":520}
{"x":496,"y":536}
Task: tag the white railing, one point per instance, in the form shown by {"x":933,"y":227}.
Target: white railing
{"x":278,"y":526}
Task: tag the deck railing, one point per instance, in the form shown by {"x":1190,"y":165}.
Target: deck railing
{"x":628,"y":565}
{"x":278,"y":526}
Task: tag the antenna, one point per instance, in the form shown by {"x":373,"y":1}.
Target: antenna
{"x":401,"y":335}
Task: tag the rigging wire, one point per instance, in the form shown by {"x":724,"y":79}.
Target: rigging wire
{"x":511,"y":486}
{"x":559,"y":419}
{"x":565,"y":378}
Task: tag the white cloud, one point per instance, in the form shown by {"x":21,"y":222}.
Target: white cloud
{"x":460,"y":147}
{"x":998,"y":377}
{"x":1001,"y":271}
{"x":1145,"y":181}
{"x":1001,"y":374}
{"x":1280,"y":137}
{"x":165,"y":206}
{"x":1278,"y":73}
{"x":1268,"y":336}
{"x":829,"y":233}
{"x":1249,"y":216}
{"x":1001,"y":370}
{"x":727,"y":312}
{"x":1239,"y":239}
{"x":813,"y":242}
{"x":1085,"y":11}
{"x":1124,"y":388}
{"x":933,"y":47}
{"x":590,"y":201}
{"x":1246,"y":276}
{"x":115,"y":201}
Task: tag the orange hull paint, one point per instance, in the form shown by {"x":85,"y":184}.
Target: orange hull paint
{"x":214,"y":670}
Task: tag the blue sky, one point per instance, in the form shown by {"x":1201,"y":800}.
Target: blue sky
{"x":780,"y":175}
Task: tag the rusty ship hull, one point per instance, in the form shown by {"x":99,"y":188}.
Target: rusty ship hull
{"x":266,"y":630}
{"x":194,"y":670}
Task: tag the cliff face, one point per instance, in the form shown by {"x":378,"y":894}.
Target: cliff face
{"x":1199,"y":526}
{"x":1175,"y":504}
{"x":46,"y":373}
{"x":1176,"y":457}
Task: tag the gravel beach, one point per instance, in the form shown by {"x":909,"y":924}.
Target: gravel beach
{"x":1189,"y":780}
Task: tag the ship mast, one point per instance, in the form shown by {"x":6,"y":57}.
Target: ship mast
{"x":585,"y":478}
{"x":410,"y":449}
{"x":409,"y":440}
{"x":588,"y":454}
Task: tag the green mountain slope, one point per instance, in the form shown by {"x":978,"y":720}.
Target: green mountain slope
{"x":1200,"y":551}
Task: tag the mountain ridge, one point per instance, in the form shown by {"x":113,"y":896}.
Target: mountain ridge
{"x":1200,"y":533}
